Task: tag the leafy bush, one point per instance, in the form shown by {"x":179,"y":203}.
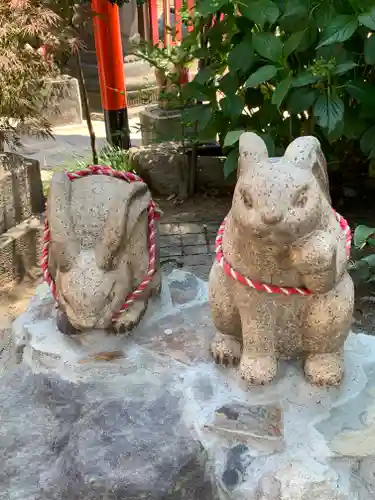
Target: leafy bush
{"x":30,"y":31}
{"x":285,"y":68}
{"x":363,"y":268}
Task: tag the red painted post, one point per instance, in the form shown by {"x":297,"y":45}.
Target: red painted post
{"x":177,"y":20}
{"x":167,"y":23}
{"x":191,"y":4}
{"x":153,"y":10}
{"x":108,"y":46}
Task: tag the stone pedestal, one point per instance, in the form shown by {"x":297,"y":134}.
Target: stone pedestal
{"x":62,"y":103}
{"x":151,"y":416}
{"x":21,"y":208}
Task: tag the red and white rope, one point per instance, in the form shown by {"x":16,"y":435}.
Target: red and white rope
{"x":152,"y":216}
{"x":262,"y":287}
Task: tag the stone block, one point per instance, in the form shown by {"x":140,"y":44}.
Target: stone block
{"x":62,"y":103}
{"x":164,"y":166}
{"x":21,"y":190}
{"x":20,"y":250}
{"x":105,"y":417}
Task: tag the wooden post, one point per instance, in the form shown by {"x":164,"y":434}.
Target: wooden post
{"x":108,"y":46}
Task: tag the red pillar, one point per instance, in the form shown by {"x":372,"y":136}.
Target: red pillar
{"x":153,"y":9}
{"x":108,"y":46}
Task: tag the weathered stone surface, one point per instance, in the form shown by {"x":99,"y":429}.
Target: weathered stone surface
{"x":281,"y":230}
{"x":62,"y":102}
{"x":161,"y":166}
{"x":98,"y":250}
{"x":150,"y":416}
{"x":21,"y":190}
{"x":21,"y":206}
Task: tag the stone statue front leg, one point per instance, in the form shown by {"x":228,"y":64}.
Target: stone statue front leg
{"x":258,"y":363}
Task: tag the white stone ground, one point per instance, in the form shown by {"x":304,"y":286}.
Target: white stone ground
{"x":288,"y":441}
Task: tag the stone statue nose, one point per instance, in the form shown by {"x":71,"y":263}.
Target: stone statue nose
{"x":271,"y":218}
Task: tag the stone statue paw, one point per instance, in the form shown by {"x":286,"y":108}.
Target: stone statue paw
{"x":325,"y":369}
{"x":258,"y":371}
{"x":226,"y":350}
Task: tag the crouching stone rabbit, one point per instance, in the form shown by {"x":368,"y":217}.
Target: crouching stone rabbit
{"x":98,"y":251}
{"x":281,"y":230}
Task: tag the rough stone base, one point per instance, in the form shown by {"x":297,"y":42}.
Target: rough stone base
{"x":20,"y":250}
{"x":157,"y":419}
{"x":62,"y":104}
{"x":162,"y":166}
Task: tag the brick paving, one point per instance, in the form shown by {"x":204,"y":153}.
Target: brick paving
{"x":188,"y":245}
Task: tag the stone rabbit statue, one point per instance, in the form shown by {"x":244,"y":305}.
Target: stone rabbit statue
{"x":281,"y":230}
{"x":98,"y":251}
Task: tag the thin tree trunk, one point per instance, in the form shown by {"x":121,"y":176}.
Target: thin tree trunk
{"x":86,"y":106}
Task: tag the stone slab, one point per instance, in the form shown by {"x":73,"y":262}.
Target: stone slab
{"x":62,"y":103}
{"x":128,"y":417}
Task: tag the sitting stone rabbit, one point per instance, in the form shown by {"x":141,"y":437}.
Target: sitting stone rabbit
{"x":98,"y":251}
{"x":281,"y":230}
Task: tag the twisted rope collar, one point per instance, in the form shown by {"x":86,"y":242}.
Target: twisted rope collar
{"x":153,"y":215}
{"x":262,"y":287}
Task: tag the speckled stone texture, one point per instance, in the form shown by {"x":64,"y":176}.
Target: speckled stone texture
{"x":281,"y":230}
{"x":160,"y":421}
{"x":98,"y":251}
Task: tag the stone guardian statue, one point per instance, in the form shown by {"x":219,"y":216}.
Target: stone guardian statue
{"x":279,"y":287}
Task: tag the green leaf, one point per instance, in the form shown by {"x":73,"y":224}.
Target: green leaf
{"x":361,"y":235}
{"x":198,"y":115}
{"x":281,"y":91}
{"x":340,"y":29}
{"x":324,"y":13}
{"x":329,"y":111}
{"x":370,"y":260}
{"x":340,"y":69}
{"x":232,"y":106}
{"x":269,"y":143}
{"x":205,"y":117}
{"x":232,"y":137}
{"x":367,"y":142}
{"x":296,"y":13}
{"x":354,"y":126}
{"x":206,"y":7}
{"x":241,"y":57}
{"x":231,"y":163}
{"x":268,"y":46}
{"x":368,"y":19}
{"x":304,"y":78}
{"x":293,"y":43}
{"x":260,"y":11}
{"x":261,"y":75}
{"x":229,"y":83}
{"x":361,"y":92}
{"x":301,"y":100}
{"x":370,"y":50}
{"x":204,"y":75}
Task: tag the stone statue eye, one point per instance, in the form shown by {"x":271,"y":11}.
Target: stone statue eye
{"x":248,"y":202}
{"x":301,"y":200}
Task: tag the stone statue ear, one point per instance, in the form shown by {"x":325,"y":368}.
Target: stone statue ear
{"x":121,"y":221}
{"x":252,"y":150}
{"x":306,"y":153}
{"x":64,"y":246}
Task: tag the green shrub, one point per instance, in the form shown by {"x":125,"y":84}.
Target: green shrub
{"x":285,"y":68}
{"x":363,"y":268}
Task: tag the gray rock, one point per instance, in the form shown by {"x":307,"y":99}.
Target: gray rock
{"x":71,"y":441}
{"x":151,"y":417}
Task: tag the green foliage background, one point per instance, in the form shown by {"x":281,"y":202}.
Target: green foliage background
{"x":285,"y":68}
